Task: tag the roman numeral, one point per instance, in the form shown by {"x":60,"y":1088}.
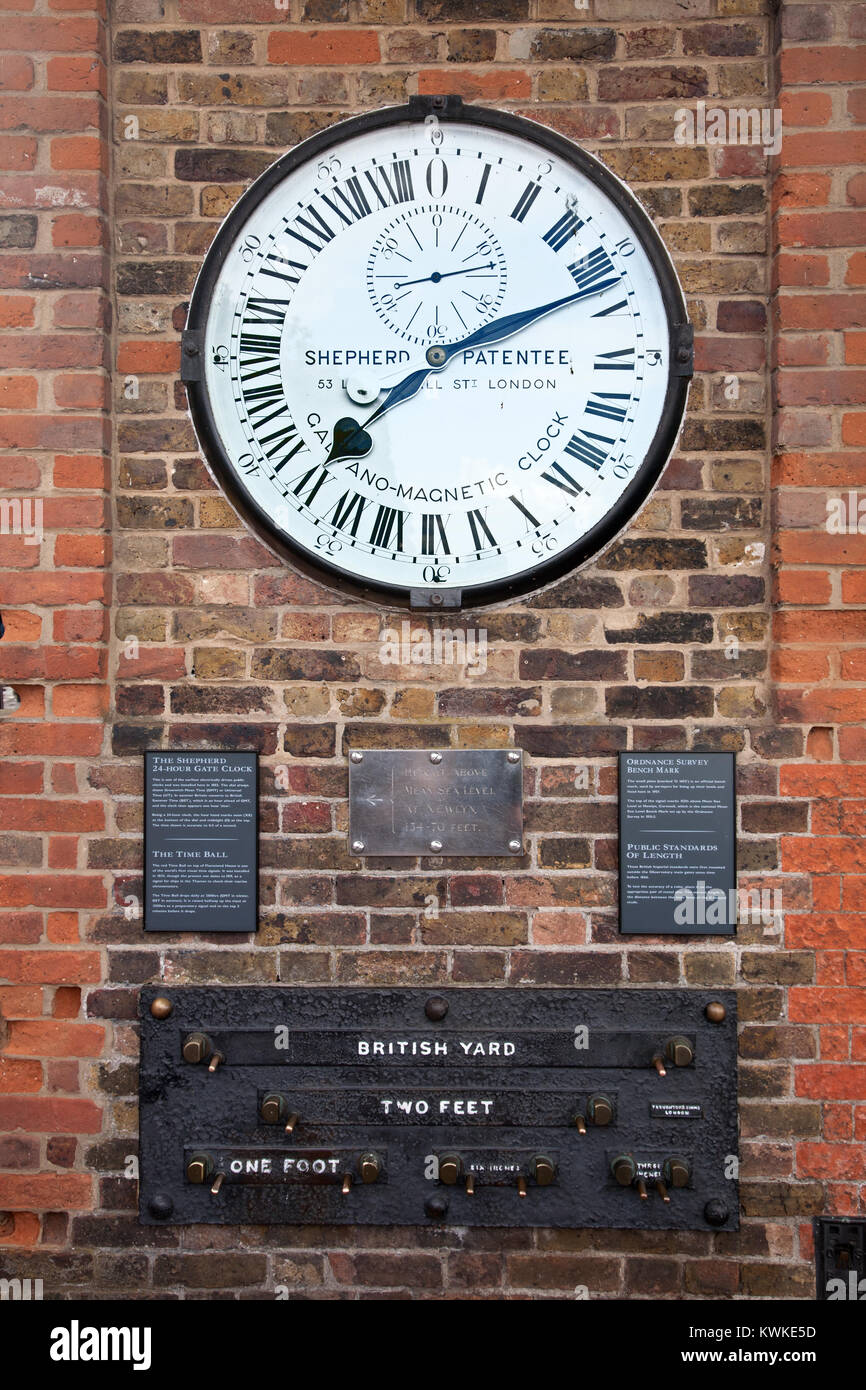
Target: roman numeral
{"x":608,"y":361}
{"x":318,"y":228}
{"x":348,"y":512}
{"x":260,"y":398}
{"x":604,"y":404}
{"x":560,"y":477}
{"x":263,"y":311}
{"x":285,"y":438}
{"x":387,"y":518}
{"x":594,"y":271}
{"x":580,"y":447}
{"x":525,"y":201}
{"x":260,"y":351}
{"x":397,"y":188}
{"x":308,"y":484}
{"x":531,"y":521}
{"x":477,"y":524}
{"x":281,"y":274}
{"x":353,"y":200}
{"x":613,"y":309}
{"x":563,"y":230}
{"x":434,"y":541}
{"x":485,"y":175}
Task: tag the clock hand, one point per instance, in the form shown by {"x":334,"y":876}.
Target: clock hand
{"x":355,"y":442}
{"x":446,"y":274}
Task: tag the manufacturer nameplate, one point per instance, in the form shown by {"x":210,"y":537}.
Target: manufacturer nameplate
{"x":454,"y":802}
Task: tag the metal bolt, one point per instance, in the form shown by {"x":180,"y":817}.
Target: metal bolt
{"x":715,"y":1212}
{"x":435,"y":845}
{"x":191,"y":349}
{"x":436,"y":1008}
{"x":436,"y":356}
{"x":514,"y":757}
{"x":683,"y":354}
{"x":436,"y":1208}
{"x":357,"y":846}
{"x":357,"y":757}
{"x":161,"y":1007}
{"x":197,"y":1048}
{"x":435,"y":757}
{"x":716,"y":1012}
{"x":160,"y":1206}
{"x":436,"y":598}
{"x":515,"y":846}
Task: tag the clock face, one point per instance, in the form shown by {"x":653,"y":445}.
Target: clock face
{"x":445,"y":357}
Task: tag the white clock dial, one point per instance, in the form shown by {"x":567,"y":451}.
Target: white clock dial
{"x":438,"y":356}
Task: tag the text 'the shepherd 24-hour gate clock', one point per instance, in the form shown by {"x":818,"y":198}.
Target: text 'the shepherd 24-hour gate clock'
{"x":437,"y":355}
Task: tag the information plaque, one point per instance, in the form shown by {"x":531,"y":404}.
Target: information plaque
{"x":453,"y":802}
{"x":200,"y":841}
{"x":677,"y":844}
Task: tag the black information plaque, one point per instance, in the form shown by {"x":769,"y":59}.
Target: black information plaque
{"x":450,"y":802}
{"x":677,"y":844}
{"x":200,"y":841}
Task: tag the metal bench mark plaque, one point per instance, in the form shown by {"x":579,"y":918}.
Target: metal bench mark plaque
{"x":471,"y":1106}
{"x":450,"y":802}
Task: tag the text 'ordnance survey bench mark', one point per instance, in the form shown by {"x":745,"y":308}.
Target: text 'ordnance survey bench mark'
{"x":201,"y":841}
{"x":677,"y":844}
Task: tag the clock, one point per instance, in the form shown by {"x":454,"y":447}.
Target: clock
{"x":437,"y":356}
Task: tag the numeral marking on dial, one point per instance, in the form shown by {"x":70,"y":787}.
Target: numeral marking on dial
{"x":560,"y":477}
{"x":318,"y":228}
{"x":622,"y":360}
{"x":308,"y":484}
{"x":563,"y":230}
{"x":387,"y":519}
{"x":434,"y":540}
{"x":398,"y":191}
{"x":265,"y":311}
{"x":525,"y":201}
{"x":282,"y":274}
{"x":531,"y":521}
{"x":606,"y":404}
{"x":347,"y":512}
{"x":580,"y":447}
{"x":285,"y":438}
{"x":594,"y":271}
{"x":477,"y":525}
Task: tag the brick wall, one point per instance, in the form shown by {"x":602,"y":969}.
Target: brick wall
{"x":665,"y":642}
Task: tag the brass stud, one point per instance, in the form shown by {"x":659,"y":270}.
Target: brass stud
{"x":663,"y":1192}
{"x":580,"y":1123}
{"x":521,"y":1187}
{"x":161,"y":1007}
{"x":659,"y":1064}
{"x":470,"y":1185}
{"x":291,"y":1122}
{"x":215,"y":1061}
{"x":641,"y":1189}
{"x":217,"y":1183}
{"x":347,"y":1184}
{"x":716,"y":1011}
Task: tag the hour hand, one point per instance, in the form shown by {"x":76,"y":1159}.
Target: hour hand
{"x":351,"y":439}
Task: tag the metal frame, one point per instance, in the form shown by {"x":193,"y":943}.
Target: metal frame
{"x":681,"y":358}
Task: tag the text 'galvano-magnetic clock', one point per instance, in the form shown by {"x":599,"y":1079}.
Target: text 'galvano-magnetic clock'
{"x":437,"y":355}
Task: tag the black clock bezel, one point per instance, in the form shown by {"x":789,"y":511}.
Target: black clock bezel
{"x":587,"y":546}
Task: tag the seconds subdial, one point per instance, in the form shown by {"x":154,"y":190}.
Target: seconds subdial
{"x":436,"y":273}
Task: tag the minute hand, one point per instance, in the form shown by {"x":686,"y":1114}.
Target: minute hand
{"x":354,"y":438}
{"x":504,"y":328}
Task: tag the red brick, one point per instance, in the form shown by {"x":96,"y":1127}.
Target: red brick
{"x":323,"y":46}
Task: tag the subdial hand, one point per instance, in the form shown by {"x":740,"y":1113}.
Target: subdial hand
{"x":445,"y":275}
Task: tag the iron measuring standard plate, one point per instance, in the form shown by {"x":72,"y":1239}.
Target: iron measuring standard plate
{"x":451,"y":802}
